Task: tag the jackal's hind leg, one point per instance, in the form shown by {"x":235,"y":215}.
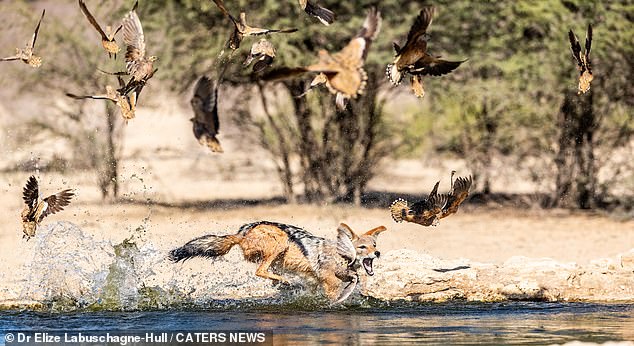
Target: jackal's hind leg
{"x":263,"y":269}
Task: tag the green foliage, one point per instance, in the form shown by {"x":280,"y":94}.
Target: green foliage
{"x":503,"y":101}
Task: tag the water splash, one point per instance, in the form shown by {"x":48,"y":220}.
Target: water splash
{"x":71,"y":270}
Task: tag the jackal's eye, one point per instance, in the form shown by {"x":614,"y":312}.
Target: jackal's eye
{"x":362,"y":247}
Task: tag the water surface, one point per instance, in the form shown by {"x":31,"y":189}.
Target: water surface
{"x":376,"y":323}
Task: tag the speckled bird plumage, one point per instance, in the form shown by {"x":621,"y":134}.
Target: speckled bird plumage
{"x":204,"y":103}
{"x":37,"y":208}
{"x":126,"y":103}
{"x":139,"y":66}
{"x":342,"y":72}
{"x":241,"y":29}
{"x":583,"y":60}
{"x":430,"y":210}
{"x":26,"y":54}
{"x":107,"y":37}
{"x":263,"y":52}
{"x":413,"y":58}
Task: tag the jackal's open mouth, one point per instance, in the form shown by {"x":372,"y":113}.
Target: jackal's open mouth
{"x":367,"y":265}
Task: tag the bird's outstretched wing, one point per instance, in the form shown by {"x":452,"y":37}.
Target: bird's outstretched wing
{"x":455,"y":197}
{"x":223,"y":9}
{"x":588,"y":46}
{"x":37,"y":29}
{"x":369,"y":31}
{"x":281,"y":73}
{"x":575,"y":48}
{"x":10,"y":58}
{"x":430,"y":207}
{"x":95,"y":97}
{"x":204,"y":103}
{"x":92,"y":20}
{"x":30,"y":193}
{"x":134,"y":39}
{"x":345,"y":248}
{"x":434,"y":191}
{"x":437,"y":67}
{"x":421,"y":23}
{"x":264,"y":31}
{"x":56,"y":203}
{"x":206,"y":124}
{"x":324,"y":15}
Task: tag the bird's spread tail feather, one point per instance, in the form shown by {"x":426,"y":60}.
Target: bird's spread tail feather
{"x":393,"y":74}
{"x":399,"y":209}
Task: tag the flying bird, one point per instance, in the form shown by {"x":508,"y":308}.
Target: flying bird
{"x":126,"y":103}
{"x":413,"y":58}
{"x":342,"y":72}
{"x":425,"y":212}
{"x":262,"y":51}
{"x":429,"y":211}
{"x":242,"y":29}
{"x":37,"y":208}
{"x":205,"y":120}
{"x":323,"y":14}
{"x":26,"y":54}
{"x":583,"y":61}
{"x":139,"y":66}
{"x":107,"y":37}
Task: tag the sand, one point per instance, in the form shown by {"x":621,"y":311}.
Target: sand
{"x":173,"y":190}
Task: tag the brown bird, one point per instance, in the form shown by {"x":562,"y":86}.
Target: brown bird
{"x":342,"y":72}
{"x":324,"y":15}
{"x":242,"y":29}
{"x":138,"y":65}
{"x":459,"y":192}
{"x":205,"y":120}
{"x":126,"y":103}
{"x":357,"y":50}
{"x":26,"y":54}
{"x":264,"y":52}
{"x":36,"y":208}
{"x":424,"y":212}
{"x":413,"y":58}
{"x":583,"y":61}
{"x":107,"y":38}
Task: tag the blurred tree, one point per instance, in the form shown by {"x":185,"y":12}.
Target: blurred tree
{"x":337,"y":152}
{"x":503,"y":102}
{"x":514,"y":100}
{"x":518,"y":92}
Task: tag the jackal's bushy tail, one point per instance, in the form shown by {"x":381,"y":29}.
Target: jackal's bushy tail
{"x":399,"y":209}
{"x":209,"y":246}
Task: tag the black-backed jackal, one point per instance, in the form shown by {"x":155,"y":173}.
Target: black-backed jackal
{"x":333,"y":263}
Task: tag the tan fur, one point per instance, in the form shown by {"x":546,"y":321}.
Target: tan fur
{"x":270,"y":245}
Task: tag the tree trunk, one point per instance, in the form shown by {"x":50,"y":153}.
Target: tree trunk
{"x":108,"y":182}
{"x":586,"y":179}
{"x":576,"y":169}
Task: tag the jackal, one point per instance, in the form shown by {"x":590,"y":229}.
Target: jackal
{"x":333,"y":263}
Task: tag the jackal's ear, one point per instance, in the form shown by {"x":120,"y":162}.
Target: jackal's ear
{"x":375,"y":231}
{"x":345,"y":248}
{"x":345,"y":229}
